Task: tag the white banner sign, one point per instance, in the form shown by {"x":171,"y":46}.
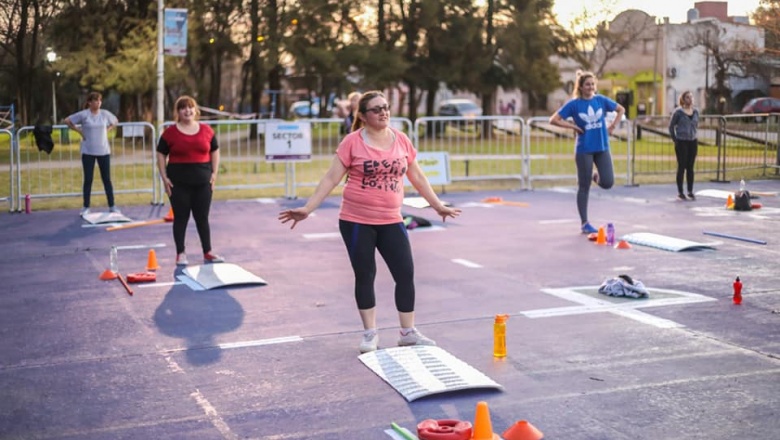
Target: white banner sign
{"x":287,"y":141}
{"x":175,"y":32}
{"x":435,"y":165}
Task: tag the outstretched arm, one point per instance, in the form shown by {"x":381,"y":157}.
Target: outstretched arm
{"x":332,"y":178}
{"x":420,"y":182}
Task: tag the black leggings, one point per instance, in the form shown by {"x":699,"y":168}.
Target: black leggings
{"x":104,"y":164}
{"x":585,"y":162}
{"x":392,"y":242}
{"x":686,"y":157}
{"x":197,"y":200}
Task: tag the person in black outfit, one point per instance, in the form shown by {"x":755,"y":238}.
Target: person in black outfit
{"x":682,"y":128}
{"x":188,"y":160}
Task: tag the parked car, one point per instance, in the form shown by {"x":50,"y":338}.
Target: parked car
{"x":762,"y":105}
{"x":462,"y":108}
{"x":305,"y":109}
{"x":459,"y":107}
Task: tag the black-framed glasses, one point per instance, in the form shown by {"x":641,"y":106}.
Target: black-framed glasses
{"x":378,"y":109}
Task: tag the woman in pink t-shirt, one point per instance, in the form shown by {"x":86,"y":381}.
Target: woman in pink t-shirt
{"x":376,"y":157}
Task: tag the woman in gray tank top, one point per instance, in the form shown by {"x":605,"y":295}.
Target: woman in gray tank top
{"x":93,"y":124}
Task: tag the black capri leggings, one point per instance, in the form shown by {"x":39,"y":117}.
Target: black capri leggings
{"x":392,"y":242}
{"x":195,"y":199}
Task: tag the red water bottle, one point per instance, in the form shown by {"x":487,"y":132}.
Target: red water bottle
{"x":737,"y":292}
{"x":27,"y":203}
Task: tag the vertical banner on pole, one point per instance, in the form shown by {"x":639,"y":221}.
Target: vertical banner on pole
{"x":175,"y":32}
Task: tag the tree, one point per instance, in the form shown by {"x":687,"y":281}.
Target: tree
{"x":22,"y":24}
{"x":767,"y":16}
{"x":728,"y":56}
{"x":598,"y":38}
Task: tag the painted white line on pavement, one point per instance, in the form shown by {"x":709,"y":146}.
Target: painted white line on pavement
{"x":466,"y":263}
{"x":147,"y":285}
{"x":589,"y":304}
{"x":213,"y":416}
{"x":140,"y":246}
{"x":259,"y":342}
{"x":322,"y":235}
{"x":557,"y":221}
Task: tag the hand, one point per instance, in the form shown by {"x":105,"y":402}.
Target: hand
{"x":578,"y":130}
{"x":610,"y":129}
{"x":168,"y":185}
{"x":296,"y":215}
{"x":446,"y":211}
{"x":213,"y":180}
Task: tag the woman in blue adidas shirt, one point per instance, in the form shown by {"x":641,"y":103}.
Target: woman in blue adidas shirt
{"x":585,"y":114}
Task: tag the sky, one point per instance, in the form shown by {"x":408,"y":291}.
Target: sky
{"x":676,"y":10}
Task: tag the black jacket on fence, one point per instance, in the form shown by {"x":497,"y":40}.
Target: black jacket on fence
{"x":42,"y":135}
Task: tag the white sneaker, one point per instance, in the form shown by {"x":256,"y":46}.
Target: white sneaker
{"x":181,"y":259}
{"x":414,"y":337}
{"x":114,"y":209}
{"x":83,"y":212}
{"x":370,"y":341}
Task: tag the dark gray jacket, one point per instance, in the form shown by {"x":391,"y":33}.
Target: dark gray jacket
{"x":683,"y":127}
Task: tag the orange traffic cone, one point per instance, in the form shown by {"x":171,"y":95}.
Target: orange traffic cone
{"x":602,"y":237}
{"x":622,"y":244}
{"x":483,"y":428}
{"x":169,"y":217}
{"x":492,"y":200}
{"x":729,"y":201}
{"x":108,"y":275}
{"x":151,"y":262}
{"x":522,"y":430}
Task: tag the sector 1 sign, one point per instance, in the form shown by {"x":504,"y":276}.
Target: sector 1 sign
{"x":287,"y":141}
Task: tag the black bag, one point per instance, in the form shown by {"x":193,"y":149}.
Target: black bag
{"x":42,"y":135}
{"x":742,"y":201}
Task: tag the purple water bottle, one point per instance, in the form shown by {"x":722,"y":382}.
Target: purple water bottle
{"x":610,"y":234}
{"x":27,"y":202}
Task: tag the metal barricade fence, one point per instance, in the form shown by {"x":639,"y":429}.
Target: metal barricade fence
{"x":727,"y":144}
{"x":550,"y":152}
{"x":488,"y":148}
{"x":749,"y":145}
{"x":480,"y":148}
{"x":60,"y":174}
{"x":242,"y":154}
{"x":7,"y":138}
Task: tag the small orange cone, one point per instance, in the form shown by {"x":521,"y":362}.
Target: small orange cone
{"x":169,"y":217}
{"x":151,"y":262}
{"x":602,"y":237}
{"x":108,"y":275}
{"x":483,"y":428}
{"x":622,"y":244}
{"x":492,"y":200}
{"x":729,"y":201}
{"x":522,"y":430}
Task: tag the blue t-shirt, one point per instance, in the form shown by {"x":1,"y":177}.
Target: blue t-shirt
{"x":589,"y":115}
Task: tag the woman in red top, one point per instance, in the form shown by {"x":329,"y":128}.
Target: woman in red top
{"x":188,"y":160}
{"x":376,"y":157}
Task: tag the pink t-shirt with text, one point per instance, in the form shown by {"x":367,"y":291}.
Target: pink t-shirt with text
{"x":374,"y":190}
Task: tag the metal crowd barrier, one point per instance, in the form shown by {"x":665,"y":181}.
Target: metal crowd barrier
{"x":43,"y":175}
{"x":730,"y":146}
{"x":524,"y":153}
{"x":7,"y":137}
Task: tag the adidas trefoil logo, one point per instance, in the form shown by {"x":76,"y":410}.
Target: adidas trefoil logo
{"x":592,"y":119}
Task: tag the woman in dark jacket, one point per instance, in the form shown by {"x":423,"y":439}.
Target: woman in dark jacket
{"x":682,"y":128}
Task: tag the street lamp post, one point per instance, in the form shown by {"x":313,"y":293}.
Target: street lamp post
{"x":51,"y":57}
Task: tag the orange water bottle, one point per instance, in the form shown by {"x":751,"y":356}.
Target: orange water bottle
{"x":737,"y":292}
{"x":499,"y":336}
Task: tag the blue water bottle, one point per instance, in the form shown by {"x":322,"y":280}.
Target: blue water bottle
{"x":610,"y":234}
